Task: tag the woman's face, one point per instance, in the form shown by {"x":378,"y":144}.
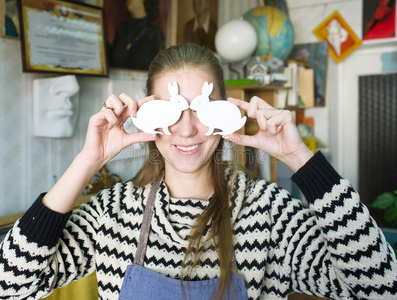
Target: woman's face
{"x":187,"y":149}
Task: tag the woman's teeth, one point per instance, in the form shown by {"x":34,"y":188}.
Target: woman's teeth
{"x":187,"y":148}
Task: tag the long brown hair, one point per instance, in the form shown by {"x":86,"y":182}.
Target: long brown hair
{"x":174,"y":58}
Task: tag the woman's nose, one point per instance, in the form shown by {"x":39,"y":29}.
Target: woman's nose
{"x":186,"y":125}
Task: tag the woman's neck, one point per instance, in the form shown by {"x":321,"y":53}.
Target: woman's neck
{"x":195,"y":185}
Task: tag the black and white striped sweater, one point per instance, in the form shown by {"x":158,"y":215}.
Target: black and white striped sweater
{"x":334,"y":249}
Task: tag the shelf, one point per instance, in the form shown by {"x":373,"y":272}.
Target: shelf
{"x":255,"y":87}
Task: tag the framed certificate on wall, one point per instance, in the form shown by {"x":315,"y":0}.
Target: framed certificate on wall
{"x":62,"y":37}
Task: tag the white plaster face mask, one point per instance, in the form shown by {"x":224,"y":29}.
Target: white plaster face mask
{"x":218,"y":114}
{"x":55,"y":103}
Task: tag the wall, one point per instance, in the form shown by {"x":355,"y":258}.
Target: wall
{"x":30,"y":165}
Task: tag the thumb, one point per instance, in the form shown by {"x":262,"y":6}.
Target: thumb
{"x":242,"y":139}
{"x":138,"y":137}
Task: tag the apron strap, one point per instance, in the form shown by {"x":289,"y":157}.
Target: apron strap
{"x":145,"y":229}
{"x":147,"y":217}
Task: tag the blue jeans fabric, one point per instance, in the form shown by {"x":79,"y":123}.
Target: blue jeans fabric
{"x":143,"y":284}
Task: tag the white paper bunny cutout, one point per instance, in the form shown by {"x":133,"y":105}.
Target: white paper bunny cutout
{"x":217,"y":114}
{"x":161,"y":113}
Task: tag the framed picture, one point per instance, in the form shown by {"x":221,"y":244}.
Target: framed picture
{"x":379,"y":19}
{"x":135,"y":31}
{"x":9,"y":19}
{"x":62,"y":37}
{"x":339,"y":36}
{"x":196,"y":21}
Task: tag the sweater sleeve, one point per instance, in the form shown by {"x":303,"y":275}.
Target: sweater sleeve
{"x":344,"y":255}
{"x":46,"y":250}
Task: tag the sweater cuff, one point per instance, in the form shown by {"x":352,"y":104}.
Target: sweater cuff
{"x":316,"y":177}
{"x":41,"y":225}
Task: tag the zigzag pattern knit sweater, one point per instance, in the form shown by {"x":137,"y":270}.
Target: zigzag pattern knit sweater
{"x":334,"y":249}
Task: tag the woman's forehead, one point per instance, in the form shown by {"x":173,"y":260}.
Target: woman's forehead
{"x":190,"y":82}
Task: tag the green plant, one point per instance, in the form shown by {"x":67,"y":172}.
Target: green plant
{"x":388,"y":202}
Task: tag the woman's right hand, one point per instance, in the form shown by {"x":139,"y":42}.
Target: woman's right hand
{"x":106,"y":136}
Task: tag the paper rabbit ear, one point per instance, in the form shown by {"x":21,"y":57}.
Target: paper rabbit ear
{"x":173,"y":88}
{"x":207,"y":89}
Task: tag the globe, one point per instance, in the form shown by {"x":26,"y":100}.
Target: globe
{"x":236,"y":40}
{"x":274,"y":30}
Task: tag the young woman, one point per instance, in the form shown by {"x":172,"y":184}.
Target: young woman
{"x":188,"y":226}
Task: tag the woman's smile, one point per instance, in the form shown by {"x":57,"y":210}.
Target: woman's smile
{"x":188,"y":149}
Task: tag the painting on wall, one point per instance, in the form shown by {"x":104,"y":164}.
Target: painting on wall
{"x":339,"y":36}
{"x":315,"y":56}
{"x":196,"y":22}
{"x":379,"y":19}
{"x":135,"y":31}
{"x":9,"y":19}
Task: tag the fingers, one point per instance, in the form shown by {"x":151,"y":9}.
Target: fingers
{"x":133,"y":105}
{"x":144,"y":100}
{"x":273,"y":120}
{"x":114,"y":104}
{"x":116,"y":110}
{"x":123,"y":107}
{"x":270,"y":124}
{"x":268,"y":117}
{"x":253,"y":106}
{"x":239,"y":103}
{"x":256,"y":104}
{"x":105,"y":117}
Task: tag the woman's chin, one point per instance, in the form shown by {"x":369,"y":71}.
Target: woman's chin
{"x":189,"y":166}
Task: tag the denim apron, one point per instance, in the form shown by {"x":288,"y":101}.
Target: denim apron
{"x":144,"y":284}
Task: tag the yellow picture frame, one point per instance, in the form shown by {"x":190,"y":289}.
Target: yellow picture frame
{"x":62,"y":37}
{"x":339,"y":36}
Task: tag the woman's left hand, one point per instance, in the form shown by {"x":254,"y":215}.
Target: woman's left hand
{"x":277,"y":135}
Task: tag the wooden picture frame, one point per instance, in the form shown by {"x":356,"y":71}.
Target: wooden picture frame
{"x":62,"y":37}
{"x":182,"y":23}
